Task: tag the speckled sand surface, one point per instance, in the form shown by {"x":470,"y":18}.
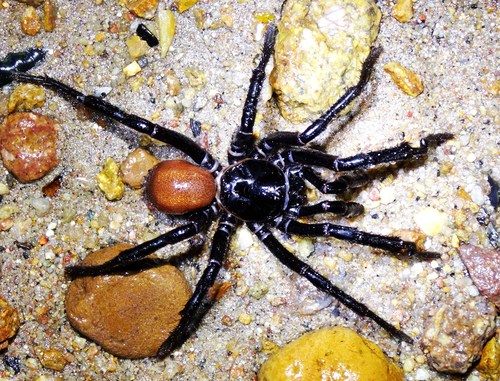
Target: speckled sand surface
{"x":456,"y":53}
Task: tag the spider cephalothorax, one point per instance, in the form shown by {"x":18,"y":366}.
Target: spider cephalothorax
{"x":263,"y":187}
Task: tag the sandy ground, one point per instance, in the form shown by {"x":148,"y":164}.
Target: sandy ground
{"x":455,"y":51}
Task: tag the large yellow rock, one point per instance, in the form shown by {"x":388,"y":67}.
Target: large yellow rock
{"x":319,"y":53}
{"x":330,"y":354}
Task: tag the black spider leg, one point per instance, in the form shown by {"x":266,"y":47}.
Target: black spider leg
{"x":278,"y":139}
{"x":173,"y":138}
{"x":401,"y":152}
{"x":320,"y":282}
{"x":126,"y":258}
{"x":243,"y":139}
{"x":393,"y":245}
{"x":200,"y":302}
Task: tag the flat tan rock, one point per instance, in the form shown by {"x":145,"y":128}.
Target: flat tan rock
{"x":129,"y":316}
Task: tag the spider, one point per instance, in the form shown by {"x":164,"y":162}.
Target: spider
{"x":263,"y":187}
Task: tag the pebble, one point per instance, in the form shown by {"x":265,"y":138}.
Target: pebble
{"x":28,"y":145}
{"x":403,"y":10}
{"x":136,"y":166}
{"x":110,"y":182}
{"x":404,"y":78}
{"x":319,"y":53}
{"x":455,"y":334}
{"x":430,"y":221}
{"x":26,"y":97}
{"x":51,"y":358}
{"x":41,"y":205}
{"x":489,"y":365}
{"x":9,"y":322}
{"x":129,"y":316}
{"x":30,"y":22}
{"x":484,"y":268}
{"x":142,"y":8}
{"x":330,"y":354}
{"x":184,"y":5}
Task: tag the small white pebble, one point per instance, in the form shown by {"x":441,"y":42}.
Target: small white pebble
{"x":477,"y":195}
{"x":305,"y":247}
{"x":422,"y":374}
{"x":41,"y":205}
{"x":244,"y":239}
{"x":49,"y":255}
{"x":4,"y":189}
{"x":387,"y":195}
{"x":473,"y":291}
{"x":416,"y":269}
{"x":471,"y":157}
{"x":430,"y":221}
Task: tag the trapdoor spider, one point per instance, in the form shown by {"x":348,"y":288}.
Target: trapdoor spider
{"x":264,"y":188}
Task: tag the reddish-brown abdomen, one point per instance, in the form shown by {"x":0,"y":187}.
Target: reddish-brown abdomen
{"x":178,"y":187}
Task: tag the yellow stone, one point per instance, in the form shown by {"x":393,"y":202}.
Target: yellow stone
{"x":403,"y":10}
{"x":319,"y":53}
{"x":137,"y":47}
{"x":26,"y":97}
{"x":142,"y":8}
{"x":489,"y":365}
{"x":184,"y":5}
{"x":404,"y":78}
{"x":330,"y":354}
{"x":166,"y":30}
{"x":132,"y":69}
{"x":110,"y":182}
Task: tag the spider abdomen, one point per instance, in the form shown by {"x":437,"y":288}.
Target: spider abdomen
{"x":178,"y":187}
{"x":253,"y":190}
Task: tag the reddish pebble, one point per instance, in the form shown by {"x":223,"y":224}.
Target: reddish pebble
{"x":28,"y":145}
{"x":484,"y":269}
{"x":178,"y":187}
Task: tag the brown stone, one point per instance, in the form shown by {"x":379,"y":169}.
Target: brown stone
{"x":484,"y":269}
{"x":9,"y":322}
{"x":129,"y":316}
{"x":28,"y":145}
{"x":455,"y":334}
{"x":136,"y":166}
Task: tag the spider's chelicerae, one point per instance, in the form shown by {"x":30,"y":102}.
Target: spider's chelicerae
{"x":263,"y":187}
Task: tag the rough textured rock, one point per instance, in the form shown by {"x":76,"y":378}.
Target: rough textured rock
{"x":9,"y":322}
{"x":330,"y":354}
{"x":489,"y":366}
{"x":129,"y":316}
{"x":484,"y":269}
{"x":456,"y":333}
{"x":28,"y":143}
{"x":136,"y":166}
{"x":319,"y":53}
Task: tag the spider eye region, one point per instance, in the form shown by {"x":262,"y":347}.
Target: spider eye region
{"x":178,"y":187}
{"x":253,"y":190}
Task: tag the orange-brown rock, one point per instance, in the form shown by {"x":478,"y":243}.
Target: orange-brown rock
{"x":136,"y":166}
{"x":178,"y":187}
{"x":128,"y":315}
{"x":28,"y":145}
{"x":9,"y":322}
